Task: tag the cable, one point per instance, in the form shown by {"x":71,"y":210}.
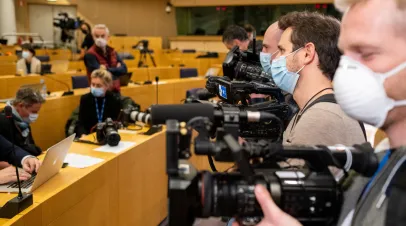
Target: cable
{"x":211,"y":163}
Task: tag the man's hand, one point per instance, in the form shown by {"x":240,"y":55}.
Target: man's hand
{"x":273,"y":216}
{"x":8,"y":175}
{"x":30,"y":164}
{"x":118,"y":64}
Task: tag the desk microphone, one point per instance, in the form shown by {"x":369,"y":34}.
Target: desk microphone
{"x":155,"y":128}
{"x":22,"y":201}
{"x":66,"y":93}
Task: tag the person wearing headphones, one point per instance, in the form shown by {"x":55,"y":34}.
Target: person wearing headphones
{"x":99,"y":104}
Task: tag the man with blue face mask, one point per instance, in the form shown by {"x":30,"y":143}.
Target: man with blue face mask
{"x":303,"y":66}
{"x":26,"y":107}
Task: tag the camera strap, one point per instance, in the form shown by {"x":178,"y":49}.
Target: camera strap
{"x":100,"y":112}
{"x":327,"y":98}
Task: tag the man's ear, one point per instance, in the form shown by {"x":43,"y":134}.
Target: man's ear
{"x":310,"y":53}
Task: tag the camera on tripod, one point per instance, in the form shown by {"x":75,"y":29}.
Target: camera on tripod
{"x":312,"y":195}
{"x":67,"y":25}
{"x":107,"y":132}
{"x":142,"y":45}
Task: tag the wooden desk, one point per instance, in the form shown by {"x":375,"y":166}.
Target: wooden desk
{"x":126,"y":189}
{"x":129,"y":188}
{"x":50,"y":126}
{"x":11,"y":83}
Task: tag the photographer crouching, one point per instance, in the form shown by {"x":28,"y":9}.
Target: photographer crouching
{"x":369,"y":86}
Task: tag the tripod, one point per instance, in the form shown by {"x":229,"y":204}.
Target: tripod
{"x":143,"y":58}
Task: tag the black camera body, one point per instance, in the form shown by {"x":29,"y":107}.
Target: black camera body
{"x":312,"y":195}
{"x":244,"y":66}
{"x":107,"y":133}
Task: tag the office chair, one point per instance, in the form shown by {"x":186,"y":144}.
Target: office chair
{"x":80,"y":82}
{"x":43,"y":58}
{"x":46,"y":69}
{"x":188,"y":72}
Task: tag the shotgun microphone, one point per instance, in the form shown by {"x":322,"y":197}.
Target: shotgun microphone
{"x":22,"y":201}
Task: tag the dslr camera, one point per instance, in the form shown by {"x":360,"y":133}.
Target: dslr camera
{"x":107,"y":132}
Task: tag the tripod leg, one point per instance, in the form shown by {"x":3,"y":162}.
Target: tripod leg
{"x":152,"y":59}
{"x":140,"y":60}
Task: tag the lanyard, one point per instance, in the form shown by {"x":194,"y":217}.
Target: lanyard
{"x":380,"y":167}
{"x":100,"y":113}
{"x":296,"y":119}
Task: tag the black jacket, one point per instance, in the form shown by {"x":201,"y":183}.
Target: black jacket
{"x":6,"y":152}
{"x":88,"y":115}
{"x":26,"y":143}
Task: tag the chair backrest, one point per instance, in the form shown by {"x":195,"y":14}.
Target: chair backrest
{"x":43,"y":58}
{"x":79,"y":82}
{"x":46,"y":68}
{"x":188,"y":72}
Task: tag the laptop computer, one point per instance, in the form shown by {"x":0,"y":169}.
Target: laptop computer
{"x":50,"y":167}
{"x":125,"y":79}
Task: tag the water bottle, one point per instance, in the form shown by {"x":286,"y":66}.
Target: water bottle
{"x":44,"y":89}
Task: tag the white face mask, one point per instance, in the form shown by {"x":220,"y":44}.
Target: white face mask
{"x":101,"y":42}
{"x":361,"y":94}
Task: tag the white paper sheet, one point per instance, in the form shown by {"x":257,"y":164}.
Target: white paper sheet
{"x":123,"y":145}
{"x":81,"y":161}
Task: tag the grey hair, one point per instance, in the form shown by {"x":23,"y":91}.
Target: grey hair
{"x":28,"y":96}
{"x":101,"y":26}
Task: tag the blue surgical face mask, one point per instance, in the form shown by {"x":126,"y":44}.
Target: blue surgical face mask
{"x":265,"y":59}
{"x":283,"y":78}
{"x":97,"y":92}
{"x":26,"y":54}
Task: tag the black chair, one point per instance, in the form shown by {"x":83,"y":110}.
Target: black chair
{"x":79,"y":82}
{"x":46,"y":69}
{"x":43,"y":58}
{"x":188,"y":72}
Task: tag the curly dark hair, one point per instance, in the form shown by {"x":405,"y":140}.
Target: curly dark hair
{"x":321,"y":30}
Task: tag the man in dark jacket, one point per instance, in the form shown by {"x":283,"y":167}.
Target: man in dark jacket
{"x":102,"y":55}
{"x":25,"y":107}
{"x":20,"y":158}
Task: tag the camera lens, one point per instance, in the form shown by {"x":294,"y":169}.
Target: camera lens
{"x":112,"y":136}
{"x":229,"y":195}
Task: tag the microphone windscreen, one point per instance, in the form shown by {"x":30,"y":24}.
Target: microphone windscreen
{"x":180,"y":112}
{"x":8,"y":111}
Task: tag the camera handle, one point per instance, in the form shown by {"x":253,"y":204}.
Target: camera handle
{"x":240,"y":158}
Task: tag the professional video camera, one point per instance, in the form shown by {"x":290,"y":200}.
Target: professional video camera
{"x":107,"y":132}
{"x":313,"y":195}
{"x":67,"y":25}
{"x":244,"y":66}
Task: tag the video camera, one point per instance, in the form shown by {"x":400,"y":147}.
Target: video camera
{"x":142,"y":45}
{"x":244,"y":66}
{"x":67,"y":25}
{"x":107,"y":132}
{"x":313,"y":195}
